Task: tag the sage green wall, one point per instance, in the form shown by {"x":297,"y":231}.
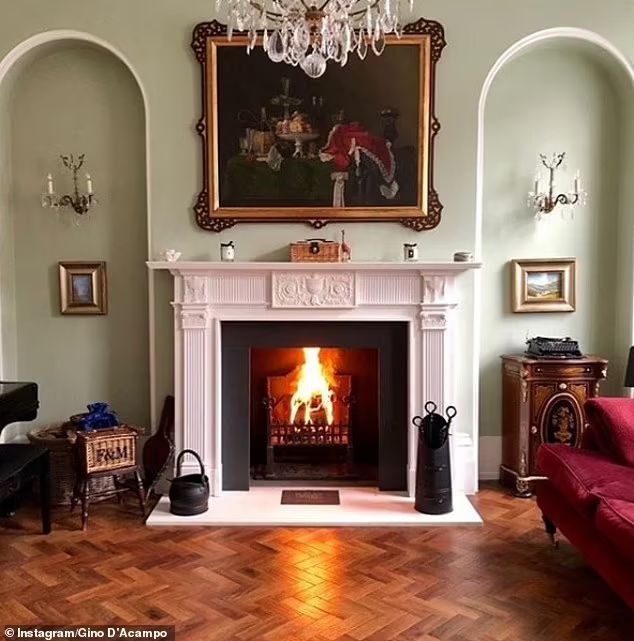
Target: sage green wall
{"x":154,"y":36}
{"x":577,"y":109}
{"x":7,"y":254}
{"x":80,"y":99}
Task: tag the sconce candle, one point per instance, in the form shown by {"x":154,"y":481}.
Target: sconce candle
{"x":79,"y":202}
{"x":545,"y":202}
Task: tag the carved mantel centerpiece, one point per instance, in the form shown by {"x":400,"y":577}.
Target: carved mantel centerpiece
{"x":208,"y":293}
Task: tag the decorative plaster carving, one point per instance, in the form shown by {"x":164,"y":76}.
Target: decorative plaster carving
{"x":194,"y":318}
{"x":195,"y":289}
{"x":301,"y":289}
{"x":434,"y":288}
{"x":433,"y":320}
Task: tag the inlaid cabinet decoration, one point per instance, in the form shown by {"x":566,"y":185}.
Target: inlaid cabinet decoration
{"x":542,"y":402}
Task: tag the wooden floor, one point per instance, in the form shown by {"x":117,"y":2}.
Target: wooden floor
{"x":501,"y":582}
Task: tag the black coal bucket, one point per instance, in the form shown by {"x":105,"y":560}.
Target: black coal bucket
{"x":189,"y":494}
{"x":433,"y":467}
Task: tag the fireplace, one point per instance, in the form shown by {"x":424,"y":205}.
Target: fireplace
{"x":314,"y":402}
{"x":309,"y":416}
{"x":224,"y":314}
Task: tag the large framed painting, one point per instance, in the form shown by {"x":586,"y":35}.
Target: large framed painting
{"x":356,"y":144}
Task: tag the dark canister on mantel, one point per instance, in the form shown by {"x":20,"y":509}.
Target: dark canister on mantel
{"x":433,"y":467}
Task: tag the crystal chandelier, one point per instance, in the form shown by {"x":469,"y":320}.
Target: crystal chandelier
{"x":308,"y":35}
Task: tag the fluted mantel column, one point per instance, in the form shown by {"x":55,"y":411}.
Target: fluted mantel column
{"x":193,"y":320}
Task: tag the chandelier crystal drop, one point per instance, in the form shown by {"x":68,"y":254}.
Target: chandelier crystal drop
{"x":309,"y":35}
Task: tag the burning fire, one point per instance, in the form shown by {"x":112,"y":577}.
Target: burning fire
{"x":313,"y":391}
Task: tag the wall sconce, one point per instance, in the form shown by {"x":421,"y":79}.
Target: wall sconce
{"x":81,"y":203}
{"x":544,"y":202}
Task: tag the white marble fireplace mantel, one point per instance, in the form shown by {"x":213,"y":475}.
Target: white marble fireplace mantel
{"x":208,"y":293}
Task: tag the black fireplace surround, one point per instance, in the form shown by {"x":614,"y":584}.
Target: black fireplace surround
{"x":390,"y":339}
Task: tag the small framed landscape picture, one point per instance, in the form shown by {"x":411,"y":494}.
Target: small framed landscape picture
{"x":83,"y":288}
{"x":543,"y":285}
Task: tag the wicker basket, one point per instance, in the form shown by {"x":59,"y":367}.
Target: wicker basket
{"x":316,"y":250}
{"x":60,"y":438}
{"x":107,"y":449}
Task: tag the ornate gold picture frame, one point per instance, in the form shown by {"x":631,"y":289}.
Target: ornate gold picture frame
{"x":543,"y":285}
{"x":356,"y":144}
{"x":83,"y":288}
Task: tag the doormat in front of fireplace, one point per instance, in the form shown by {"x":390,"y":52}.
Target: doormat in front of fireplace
{"x":310,"y":497}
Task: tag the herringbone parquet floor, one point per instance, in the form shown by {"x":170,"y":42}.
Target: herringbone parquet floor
{"x":501,"y":582}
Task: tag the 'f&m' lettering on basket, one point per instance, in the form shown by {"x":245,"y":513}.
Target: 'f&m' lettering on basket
{"x":109,"y":454}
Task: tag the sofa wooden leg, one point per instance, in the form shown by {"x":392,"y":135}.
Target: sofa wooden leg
{"x":551,"y":530}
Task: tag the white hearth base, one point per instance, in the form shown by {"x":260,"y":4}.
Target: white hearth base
{"x":360,"y":507}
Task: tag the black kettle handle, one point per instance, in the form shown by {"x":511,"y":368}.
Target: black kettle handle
{"x":451,"y":412}
{"x":195,"y":455}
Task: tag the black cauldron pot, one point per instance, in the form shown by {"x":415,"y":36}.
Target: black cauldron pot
{"x":189,"y":494}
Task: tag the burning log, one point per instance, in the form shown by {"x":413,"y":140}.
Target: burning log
{"x":308,"y":407}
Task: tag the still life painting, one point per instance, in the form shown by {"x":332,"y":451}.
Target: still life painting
{"x":82,"y":288}
{"x":354,"y":144}
{"x":543,"y":285}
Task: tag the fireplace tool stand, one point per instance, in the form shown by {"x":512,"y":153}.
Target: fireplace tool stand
{"x":433,"y":467}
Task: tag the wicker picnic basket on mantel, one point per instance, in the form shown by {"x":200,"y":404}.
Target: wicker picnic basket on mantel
{"x":59,"y":439}
{"x":316,"y":250}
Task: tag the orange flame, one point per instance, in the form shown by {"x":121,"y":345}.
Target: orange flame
{"x":313,"y":392}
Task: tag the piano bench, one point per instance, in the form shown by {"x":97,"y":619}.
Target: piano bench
{"x":19,"y":465}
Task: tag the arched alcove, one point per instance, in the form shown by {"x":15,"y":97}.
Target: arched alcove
{"x":561,"y":90}
{"x":70,"y":94}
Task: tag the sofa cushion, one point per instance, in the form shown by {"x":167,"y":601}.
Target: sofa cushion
{"x":583,"y":476}
{"x":612,"y":421}
{"x":615,"y":520}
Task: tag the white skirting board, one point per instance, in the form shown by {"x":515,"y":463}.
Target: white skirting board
{"x":490,"y":457}
{"x":360,"y":507}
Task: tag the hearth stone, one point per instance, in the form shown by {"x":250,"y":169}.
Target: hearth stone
{"x":310,"y":497}
{"x":360,"y":507}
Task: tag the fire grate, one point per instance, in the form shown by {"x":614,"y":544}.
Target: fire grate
{"x":294,"y":432}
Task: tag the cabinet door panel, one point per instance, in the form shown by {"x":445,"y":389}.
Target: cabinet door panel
{"x":561,"y":420}
{"x":541,"y":393}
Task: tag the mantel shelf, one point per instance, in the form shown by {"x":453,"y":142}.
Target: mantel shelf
{"x":254,"y":266}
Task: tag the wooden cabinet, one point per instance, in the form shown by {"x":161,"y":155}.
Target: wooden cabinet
{"x":542,"y":402}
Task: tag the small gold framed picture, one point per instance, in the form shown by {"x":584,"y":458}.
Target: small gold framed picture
{"x":83,"y":288}
{"x":543,"y":285}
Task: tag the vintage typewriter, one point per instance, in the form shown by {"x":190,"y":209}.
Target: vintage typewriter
{"x":542,"y":347}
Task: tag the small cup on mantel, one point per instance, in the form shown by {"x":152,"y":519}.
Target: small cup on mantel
{"x":227,"y":251}
{"x":170,"y":255}
{"x":410,"y":252}
{"x":463,"y":257}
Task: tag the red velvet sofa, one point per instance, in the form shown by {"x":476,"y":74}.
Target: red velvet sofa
{"x":589,"y":494}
